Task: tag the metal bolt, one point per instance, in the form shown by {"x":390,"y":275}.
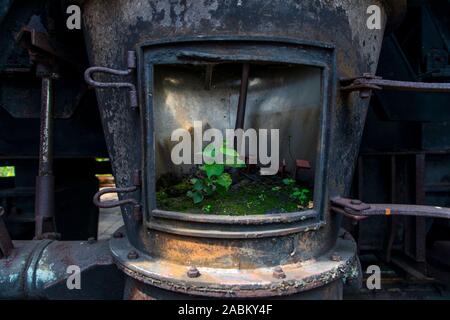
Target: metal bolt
{"x":193,"y":272}
{"x":91,"y":240}
{"x":335,"y":257}
{"x":278,"y":273}
{"x":356,"y":202}
{"x":133,"y":255}
{"x":118,"y":235}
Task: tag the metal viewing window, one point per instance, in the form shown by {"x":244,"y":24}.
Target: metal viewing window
{"x":163,"y":65}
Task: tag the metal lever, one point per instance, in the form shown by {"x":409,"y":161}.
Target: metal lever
{"x":88,"y":76}
{"x":358,"y":210}
{"x":368,"y":82}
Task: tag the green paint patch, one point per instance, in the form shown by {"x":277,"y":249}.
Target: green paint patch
{"x":247,"y":197}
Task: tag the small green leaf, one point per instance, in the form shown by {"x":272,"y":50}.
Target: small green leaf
{"x":288,"y":181}
{"x":198,"y":184}
{"x":224,"y":180}
{"x":209,"y":190}
{"x":197,"y":197}
{"x":209,"y":153}
{"x":213,"y":169}
{"x":229,"y":152}
{"x":207,"y":208}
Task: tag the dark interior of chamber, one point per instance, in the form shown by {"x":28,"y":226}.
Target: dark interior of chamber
{"x":280,"y":96}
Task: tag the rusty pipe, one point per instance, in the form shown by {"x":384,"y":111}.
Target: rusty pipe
{"x":45,"y":269}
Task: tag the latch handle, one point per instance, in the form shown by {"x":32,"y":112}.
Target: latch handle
{"x":358,"y":210}
{"x":131,"y":61}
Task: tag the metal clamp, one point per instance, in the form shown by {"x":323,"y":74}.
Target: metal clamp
{"x":131,"y":61}
{"x":368,"y":82}
{"x":6,"y":244}
{"x":358,"y":210}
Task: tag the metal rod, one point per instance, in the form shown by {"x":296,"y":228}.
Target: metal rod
{"x":370,"y":82}
{"x":240,"y":118}
{"x":45,"y":185}
{"x":6,"y":244}
{"x":46,"y":133}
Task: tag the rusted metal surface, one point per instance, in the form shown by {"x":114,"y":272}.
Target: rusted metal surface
{"x":369,"y":82}
{"x":236,"y":282}
{"x":35,"y":38}
{"x":153,"y":22}
{"x":6,"y":245}
{"x":242,"y":251}
{"x":358,"y":210}
{"x":39,"y":269}
{"x":136,"y":290}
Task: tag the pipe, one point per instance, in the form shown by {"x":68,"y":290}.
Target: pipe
{"x":48,"y":269}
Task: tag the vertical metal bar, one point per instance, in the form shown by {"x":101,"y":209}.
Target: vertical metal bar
{"x":6,"y":244}
{"x":46,"y":136}
{"x":361,"y":178}
{"x":392,"y":220}
{"x":240,"y":118}
{"x":45,"y":185}
{"x":420,"y":199}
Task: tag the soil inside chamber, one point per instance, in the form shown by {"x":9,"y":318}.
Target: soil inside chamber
{"x":250,"y":195}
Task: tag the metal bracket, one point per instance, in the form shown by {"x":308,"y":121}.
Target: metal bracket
{"x":358,"y":210}
{"x":131,"y":62}
{"x":368,"y":82}
{"x":6,"y":244}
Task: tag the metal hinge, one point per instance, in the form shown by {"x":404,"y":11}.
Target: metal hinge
{"x":368,"y":82}
{"x":131,"y":63}
{"x":358,"y":210}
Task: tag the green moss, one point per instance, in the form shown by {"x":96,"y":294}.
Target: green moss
{"x":265,"y":196}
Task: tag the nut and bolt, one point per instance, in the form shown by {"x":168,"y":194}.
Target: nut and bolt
{"x":133,"y":255}
{"x":193,"y":272}
{"x":335,"y":257}
{"x":91,"y":240}
{"x":278,"y":273}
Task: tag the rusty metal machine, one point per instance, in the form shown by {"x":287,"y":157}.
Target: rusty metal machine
{"x":306,"y":67}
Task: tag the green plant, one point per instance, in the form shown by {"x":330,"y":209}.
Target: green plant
{"x":289,"y":182}
{"x":207,"y":209}
{"x":303,"y":196}
{"x":212,"y":177}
